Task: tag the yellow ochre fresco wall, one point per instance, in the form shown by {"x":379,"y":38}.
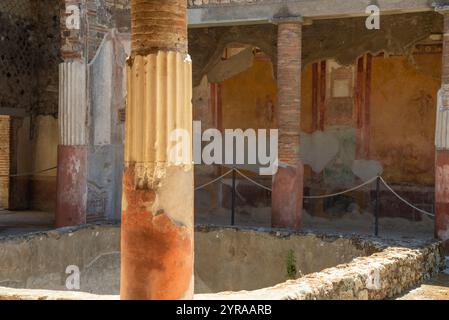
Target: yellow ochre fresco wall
{"x":245,"y":95}
{"x":403,"y":106}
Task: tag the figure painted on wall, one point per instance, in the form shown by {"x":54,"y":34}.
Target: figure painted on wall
{"x":424,"y":101}
{"x":266,"y":112}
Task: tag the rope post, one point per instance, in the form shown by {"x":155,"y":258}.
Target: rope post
{"x":233,"y":198}
{"x":376,"y":212}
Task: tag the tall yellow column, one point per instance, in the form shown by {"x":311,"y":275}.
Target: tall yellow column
{"x":158,"y":190}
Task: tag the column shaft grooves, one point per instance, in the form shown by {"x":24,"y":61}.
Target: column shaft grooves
{"x":159,"y":104}
{"x":72,"y":103}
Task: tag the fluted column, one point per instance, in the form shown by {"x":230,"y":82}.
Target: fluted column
{"x":72,"y":103}
{"x":71,"y":197}
{"x":158,"y":185}
{"x":287,"y":196}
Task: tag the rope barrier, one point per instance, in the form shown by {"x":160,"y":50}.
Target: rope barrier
{"x":269,"y":189}
{"x":405,"y":201}
{"x":342,"y":192}
{"x":28,"y":173}
{"x":213,"y":181}
{"x":253,"y":181}
{"x":322,"y":196}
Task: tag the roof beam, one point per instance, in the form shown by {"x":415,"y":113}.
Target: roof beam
{"x":258,"y":13}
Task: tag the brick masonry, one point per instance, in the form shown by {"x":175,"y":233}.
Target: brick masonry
{"x":287,"y":196}
{"x":151,"y":33}
{"x":289,"y":90}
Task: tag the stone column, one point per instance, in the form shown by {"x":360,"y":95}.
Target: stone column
{"x":158,"y":190}
{"x":71,"y":197}
{"x":442,"y":144}
{"x":287,"y":196}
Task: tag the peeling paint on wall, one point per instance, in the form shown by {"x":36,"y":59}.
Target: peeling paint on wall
{"x":322,"y":40}
{"x":228,"y":68}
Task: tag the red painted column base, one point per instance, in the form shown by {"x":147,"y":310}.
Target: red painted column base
{"x":442,"y":197}
{"x":71,"y":198}
{"x":156,"y":253}
{"x":287,"y":197}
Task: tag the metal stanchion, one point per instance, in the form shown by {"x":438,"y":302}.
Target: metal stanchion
{"x":233,"y":198}
{"x":376,"y":213}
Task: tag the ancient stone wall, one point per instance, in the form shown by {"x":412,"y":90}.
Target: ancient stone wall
{"x":29,"y":55}
{"x":360,"y":267}
{"x":382,"y":275}
{"x":40,"y":295}
{"x":31,"y":47}
{"x":233,"y":259}
{"x":40,"y":261}
{"x":18,"y":54}
{"x":48,"y":45}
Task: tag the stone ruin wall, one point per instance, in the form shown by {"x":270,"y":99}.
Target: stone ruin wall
{"x":386,"y":268}
{"x":29,"y":55}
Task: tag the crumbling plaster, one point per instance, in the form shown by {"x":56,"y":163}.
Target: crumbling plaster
{"x":340,"y":39}
{"x":106,"y":130}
